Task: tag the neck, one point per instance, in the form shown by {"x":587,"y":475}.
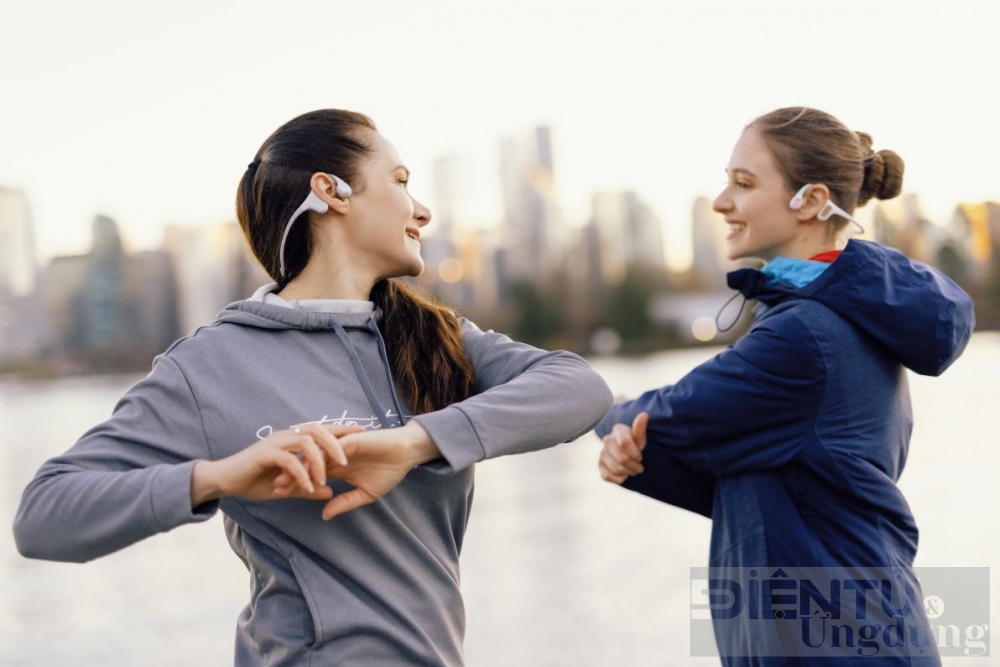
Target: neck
{"x":814,"y":239}
{"x":335,"y":270}
{"x":327,"y":277}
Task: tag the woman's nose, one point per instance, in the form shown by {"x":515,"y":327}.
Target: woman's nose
{"x":421,"y":213}
{"x":722,"y":203}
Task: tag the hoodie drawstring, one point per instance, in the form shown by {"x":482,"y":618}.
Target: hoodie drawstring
{"x":366,"y":386}
{"x":388,"y":372}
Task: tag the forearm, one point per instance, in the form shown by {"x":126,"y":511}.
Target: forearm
{"x":78,"y":515}
{"x":669,"y":481}
{"x":420,"y":445}
{"x":556,"y":400}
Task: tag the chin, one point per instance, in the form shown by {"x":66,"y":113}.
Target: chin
{"x":412,"y":269}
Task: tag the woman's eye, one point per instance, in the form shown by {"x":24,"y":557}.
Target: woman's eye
{"x":742,"y":184}
{"x":403,"y":181}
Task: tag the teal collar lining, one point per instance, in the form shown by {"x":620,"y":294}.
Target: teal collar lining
{"x":797,"y":272}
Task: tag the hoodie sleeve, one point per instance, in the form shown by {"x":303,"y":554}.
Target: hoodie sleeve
{"x":749,"y":408}
{"x":124,"y":480}
{"x":528,"y":399}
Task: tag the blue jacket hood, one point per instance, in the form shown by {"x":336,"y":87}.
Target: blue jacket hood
{"x":912,"y":309}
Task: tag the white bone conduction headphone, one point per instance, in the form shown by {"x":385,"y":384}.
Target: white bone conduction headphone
{"x":312,"y":203}
{"x":829,"y":208}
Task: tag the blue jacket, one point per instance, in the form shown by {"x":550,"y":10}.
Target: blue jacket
{"x":792,"y":439}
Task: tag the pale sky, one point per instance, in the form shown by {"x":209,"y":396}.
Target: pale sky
{"x":149,"y":112}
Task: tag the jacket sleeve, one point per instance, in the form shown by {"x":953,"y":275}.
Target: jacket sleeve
{"x":749,"y":408}
{"x":528,"y":399}
{"x":666,"y":479}
{"x":124,"y":480}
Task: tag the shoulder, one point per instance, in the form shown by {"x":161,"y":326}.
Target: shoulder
{"x":201,"y":343}
{"x":784,"y":338}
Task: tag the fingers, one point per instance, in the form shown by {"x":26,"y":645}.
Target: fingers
{"x":328,"y":441}
{"x":345,"y":502}
{"x":291,"y":464}
{"x":622,"y":453}
{"x":338,"y":430}
{"x":311,"y":454}
{"x":610,"y":470}
{"x":323,"y":440}
{"x":293,"y":490}
{"x":639,"y":425}
{"x":624,"y":449}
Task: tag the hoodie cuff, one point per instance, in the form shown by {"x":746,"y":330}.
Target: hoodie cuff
{"x":454,"y":436}
{"x":170,"y":499}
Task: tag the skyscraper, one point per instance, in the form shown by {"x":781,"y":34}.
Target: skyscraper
{"x":626,"y":234}
{"x":213,"y":269}
{"x":536,"y":236}
{"x":104,"y":320}
{"x":18,"y":265}
{"x":708,"y":233}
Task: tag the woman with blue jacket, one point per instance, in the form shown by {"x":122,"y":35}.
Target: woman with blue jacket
{"x":335,"y":391}
{"x":792,"y":439}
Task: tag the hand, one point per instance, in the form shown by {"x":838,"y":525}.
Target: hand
{"x":300,"y":454}
{"x":379,"y":460}
{"x":622,"y":453}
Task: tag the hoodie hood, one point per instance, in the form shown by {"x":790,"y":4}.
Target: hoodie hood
{"x":270,"y":316}
{"x":912,"y":309}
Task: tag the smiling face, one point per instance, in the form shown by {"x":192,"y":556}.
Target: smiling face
{"x":755,"y":204}
{"x":383,"y":227}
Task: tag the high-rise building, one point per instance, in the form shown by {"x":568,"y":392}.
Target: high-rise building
{"x":18,"y":264}
{"x":625,"y":233}
{"x":213,"y":269}
{"x":443,"y":269}
{"x":26,"y":332}
{"x":60,"y":283}
{"x":458,"y":261}
{"x":535,"y":233}
{"x":709,"y":263}
{"x":977,"y":226}
{"x":152,"y":288}
{"x":103,"y":317}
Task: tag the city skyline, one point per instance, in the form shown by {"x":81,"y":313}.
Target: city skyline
{"x":603,"y":287}
{"x":149,"y":115}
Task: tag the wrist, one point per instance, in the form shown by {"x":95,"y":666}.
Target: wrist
{"x":205,"y":484}
{"x":420,"y":448}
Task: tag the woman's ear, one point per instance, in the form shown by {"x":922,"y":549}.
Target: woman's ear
{"x":325,"y":187}
{"x":813,"y":200}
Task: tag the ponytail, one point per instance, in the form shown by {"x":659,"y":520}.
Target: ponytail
{"x":424,"y":342}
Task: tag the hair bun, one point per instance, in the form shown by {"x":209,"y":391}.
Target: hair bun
{"x":883,"y":172}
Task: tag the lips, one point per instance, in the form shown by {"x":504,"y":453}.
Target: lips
{"x":734,"y":228}
{"x":413,"y":234}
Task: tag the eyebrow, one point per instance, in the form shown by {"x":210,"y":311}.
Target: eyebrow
{"x":743,"y":171}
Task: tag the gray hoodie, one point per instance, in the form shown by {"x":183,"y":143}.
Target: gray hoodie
{"x":377,"y":586}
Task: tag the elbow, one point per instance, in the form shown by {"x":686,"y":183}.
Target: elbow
{"x":596,"y":400}
{"x":603,"y":398}
{"x":38,"y":544}
{"x":35,"y":538}
{"x":603,"y":404}
{"x":30,"y":539}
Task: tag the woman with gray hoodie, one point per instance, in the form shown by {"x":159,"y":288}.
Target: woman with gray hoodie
{"x":336,"y":391}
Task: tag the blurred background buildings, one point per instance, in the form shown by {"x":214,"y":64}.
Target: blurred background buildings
{"x":601,"y":285}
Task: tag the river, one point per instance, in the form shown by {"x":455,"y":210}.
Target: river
{"x":558,"y":569}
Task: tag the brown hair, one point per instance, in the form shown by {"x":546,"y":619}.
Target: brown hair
{"x":423,"y":339}
{"x":811,"y":146}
